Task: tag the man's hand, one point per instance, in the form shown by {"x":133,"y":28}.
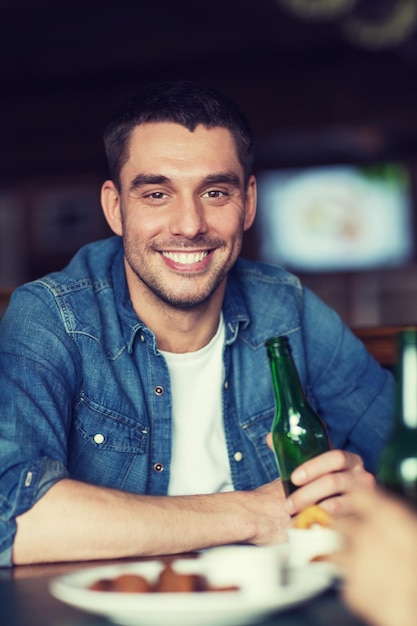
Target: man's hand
{"x":327,"y":479}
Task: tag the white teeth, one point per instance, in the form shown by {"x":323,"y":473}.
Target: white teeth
{"x":185,"y":258}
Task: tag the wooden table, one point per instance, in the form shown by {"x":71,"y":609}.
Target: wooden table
{"x":25,"y":601}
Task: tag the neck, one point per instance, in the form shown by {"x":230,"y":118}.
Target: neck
{"x":179,"y":330}
{"x":185,"y":332}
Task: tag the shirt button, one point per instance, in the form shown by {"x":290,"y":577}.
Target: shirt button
{"x":158,"y":467}
{"x":28,"y":479}
{"x":142,"y":337}
{"x":226,"y":384}
{"x":238,"y":456}
{"x":159,"y":390}
{"x":99,"y":438}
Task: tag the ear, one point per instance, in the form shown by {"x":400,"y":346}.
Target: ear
{"x":110,"y":202}
{"x":250,"y":203}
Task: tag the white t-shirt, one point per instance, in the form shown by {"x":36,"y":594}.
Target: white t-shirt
{"x":200,"y":462}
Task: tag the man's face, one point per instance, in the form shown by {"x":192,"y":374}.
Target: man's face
{"x":182,"y":211}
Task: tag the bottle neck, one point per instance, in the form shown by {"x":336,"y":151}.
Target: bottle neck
{"x":285,"y":377}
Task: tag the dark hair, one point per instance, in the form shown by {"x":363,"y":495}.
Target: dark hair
{"x":181,"y":102}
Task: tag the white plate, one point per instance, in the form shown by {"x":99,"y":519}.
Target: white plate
{"x":257,"y":595}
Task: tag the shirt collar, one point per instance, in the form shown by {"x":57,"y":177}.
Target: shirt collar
{"x":235,"y":310}
{"x":130,"y":322}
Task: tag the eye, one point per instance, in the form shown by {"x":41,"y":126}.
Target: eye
{"x":156,"y":195}
{"x":215,"y":193}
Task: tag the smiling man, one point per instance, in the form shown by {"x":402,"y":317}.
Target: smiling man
{"x":135,"y":390}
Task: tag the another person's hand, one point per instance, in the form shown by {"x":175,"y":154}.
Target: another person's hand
{"x":380,"y":559}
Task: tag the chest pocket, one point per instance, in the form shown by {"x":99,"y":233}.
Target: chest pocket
{"x":107,"y":447}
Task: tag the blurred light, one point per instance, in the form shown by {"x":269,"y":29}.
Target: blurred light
{"x":408,"y":470}
{"x":318,"y":9}
{"x":387,"y":29}
{"x":371,"y":24}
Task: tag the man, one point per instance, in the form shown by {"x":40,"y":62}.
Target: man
{"x":140,"y":371}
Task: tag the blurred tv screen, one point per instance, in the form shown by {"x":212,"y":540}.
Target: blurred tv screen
{"x":336,"y":217}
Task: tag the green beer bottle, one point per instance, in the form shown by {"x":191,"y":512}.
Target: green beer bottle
{"x":398,"y":464}
{"x":298,"y":433}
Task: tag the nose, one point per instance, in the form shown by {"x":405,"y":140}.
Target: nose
{"x":188,"y":218}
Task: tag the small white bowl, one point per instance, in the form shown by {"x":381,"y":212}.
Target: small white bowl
{"x":306,"y":544}
{"x":255,"y":569}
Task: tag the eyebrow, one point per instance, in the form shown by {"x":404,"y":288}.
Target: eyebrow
{"x":148,"y":179}
{"x":229,"y":178}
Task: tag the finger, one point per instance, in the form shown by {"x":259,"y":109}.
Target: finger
{"x":330,"y":491}
{"x":339,"y":507}
{"x":328,"y":462}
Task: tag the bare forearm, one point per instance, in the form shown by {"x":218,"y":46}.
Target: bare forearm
{"x":76,"y":521}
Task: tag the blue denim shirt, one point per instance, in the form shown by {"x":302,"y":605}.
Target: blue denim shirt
{"x":84,"y":391}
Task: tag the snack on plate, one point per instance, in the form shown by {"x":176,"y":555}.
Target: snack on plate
{"x":128,"y":583}
{"x":169,"y":581}
{"x":312,"y":537}
{"x":311,"y":516}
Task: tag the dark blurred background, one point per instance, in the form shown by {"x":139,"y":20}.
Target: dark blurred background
{"x":323,"y":82}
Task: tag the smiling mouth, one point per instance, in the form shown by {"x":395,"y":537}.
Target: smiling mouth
{"x":186,"y":258}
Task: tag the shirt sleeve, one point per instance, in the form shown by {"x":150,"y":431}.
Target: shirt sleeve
{"x":353,"y":393}
{"x":38,"y":375}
